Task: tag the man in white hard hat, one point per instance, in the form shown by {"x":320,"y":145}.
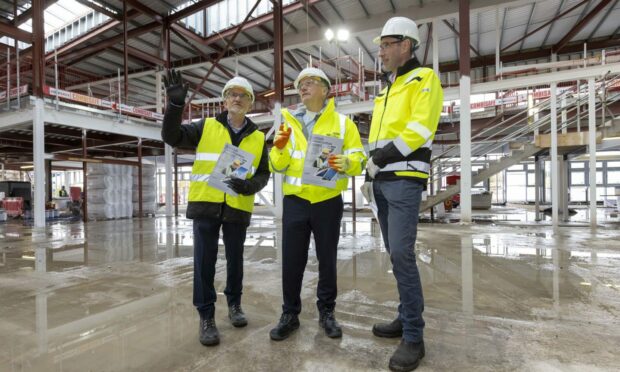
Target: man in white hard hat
{"x":309,"y":208}
{"x":209,"y":207}
{"x":402,"y":129}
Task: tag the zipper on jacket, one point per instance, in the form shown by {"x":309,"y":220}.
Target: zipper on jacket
{"x":387,"y":94}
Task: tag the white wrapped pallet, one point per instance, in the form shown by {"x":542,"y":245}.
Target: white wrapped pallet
{"x":149,"y":193}
{"x":109,"y":191}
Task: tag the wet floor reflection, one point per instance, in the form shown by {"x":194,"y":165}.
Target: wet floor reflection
{"x":116,"y":295}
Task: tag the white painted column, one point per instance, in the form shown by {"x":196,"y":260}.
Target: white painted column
{"x":563,"y":114}
{"x":592,"y":148}
{"x":497,"y":41}
{"x":168,"y":161}
{"x":38,"y":148}
{"x":555,"y":179}
{"x":537,"y":188}
{"x":435,"y":39}
{"x":465,"y":135}
{"x":278,"y":195}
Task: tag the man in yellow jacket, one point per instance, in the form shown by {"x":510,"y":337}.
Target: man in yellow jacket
{"x":309,"y":208}
{"x":402,"y":129}
{"x":211,"y":209}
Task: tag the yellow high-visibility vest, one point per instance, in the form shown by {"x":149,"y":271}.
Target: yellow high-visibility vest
{"x":290,"y":160}
{"x":214,"y":136}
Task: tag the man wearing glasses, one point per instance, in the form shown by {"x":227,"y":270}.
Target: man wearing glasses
{"x":210,"y":208}
{"x":402,"y":129}
{"x":309,"y":208}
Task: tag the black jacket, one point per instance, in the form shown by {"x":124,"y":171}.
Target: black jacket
{"x":188,"y":137}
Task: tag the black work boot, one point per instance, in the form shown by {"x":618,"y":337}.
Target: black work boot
{"x":407,"y":357}
{"x":288,"y":323}
{"x":209,"y":336}
{"x":329,"y":323}
{"x":389,"y":330}
{"x":236,"y":316}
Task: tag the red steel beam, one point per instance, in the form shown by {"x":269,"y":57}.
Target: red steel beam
{"x":15,"y":33}
{"x":268,"y":17}
{"x":27,"y":14}
{"x":278,"y":50}
{"x":456,"y":32}
{"x":223,"y":52}
{"x":104,"y":27}
{"x":200,"y":5}
{"x":76,"y":55}
{"x":580,"y":25}
{"x":145,"y":9}
{"x":544,"y":25}
{"x":142,"y":56}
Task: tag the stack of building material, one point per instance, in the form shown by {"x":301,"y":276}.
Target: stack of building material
{"x":149,"y":192}
{"x":109,"y":189}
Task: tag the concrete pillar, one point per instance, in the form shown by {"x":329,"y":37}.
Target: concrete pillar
{"x":537,"y":188}
{"x":498,"y":48}
{"x":38,"y":147}
{"x":435,"y":39}
{"x":465,"y":121}
{"x":592,"y":149}
{"x":555,"y":179}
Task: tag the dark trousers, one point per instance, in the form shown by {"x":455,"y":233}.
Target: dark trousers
{"x":398,"y":202}
{"x":300,"y":218}
{"x":206,"y":235}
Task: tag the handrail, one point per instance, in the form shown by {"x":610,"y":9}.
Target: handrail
{"x":523,"y":131}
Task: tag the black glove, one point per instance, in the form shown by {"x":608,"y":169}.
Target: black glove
{"x":243,"y":187}
{"x":175,"y":88}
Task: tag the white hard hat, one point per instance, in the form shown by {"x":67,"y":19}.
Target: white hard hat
{"x":399,"y":26}
{"x":239,"y":82}
{"x":312,"y":71}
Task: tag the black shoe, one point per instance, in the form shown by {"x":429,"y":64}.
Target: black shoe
{"x":389,"y":330}
{"x":236,"y":316}
{"x":288,"y":323}
{"x":407,"y":357}
{"x":209,"y":336}
{"x":329,"y":323}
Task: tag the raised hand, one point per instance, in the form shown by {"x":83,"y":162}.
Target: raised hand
{"x":175,"y":88}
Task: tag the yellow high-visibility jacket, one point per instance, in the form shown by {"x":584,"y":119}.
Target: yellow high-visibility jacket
{"x":290,"y":160}
{"x":404,"y":122}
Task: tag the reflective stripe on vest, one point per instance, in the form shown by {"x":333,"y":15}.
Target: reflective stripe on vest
{"x":412,"y":165}
{"x":199,"y":177}
{"x":295,"y":181}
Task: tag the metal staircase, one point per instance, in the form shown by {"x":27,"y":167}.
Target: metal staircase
{"x":520,"y":132}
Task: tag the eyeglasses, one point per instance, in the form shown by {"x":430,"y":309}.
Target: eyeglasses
{"x":242,"y":96}
{"x":387,"y":44}
{"x":309,"y":82}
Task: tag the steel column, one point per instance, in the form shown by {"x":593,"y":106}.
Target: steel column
{"x":436,"y":46}
{"x":125,"y":55}
{"x":38,"y":42}
{"x":38,"y":155}
{"x":465,"y":125}
{"x":592,"y":148}
{"x":555,"y":179}
{"x":140,"y":215}
{"x":84,"y":176}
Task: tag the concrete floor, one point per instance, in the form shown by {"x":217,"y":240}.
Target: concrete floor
{"x":116,"y":296}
